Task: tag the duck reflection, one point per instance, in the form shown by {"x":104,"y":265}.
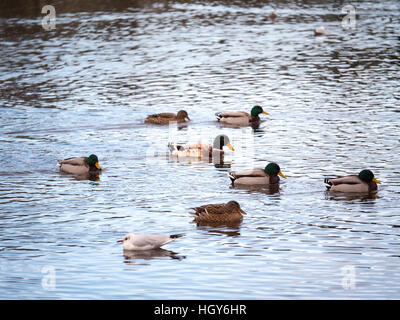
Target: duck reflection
{"x":219,"y":162}
{"x":85,"y":176}
{"x":266,"y":189}
{"x":342,"y":196}
{"x":88,"y":176}
{"x":131,"y":256}
{"x":230,"y":229}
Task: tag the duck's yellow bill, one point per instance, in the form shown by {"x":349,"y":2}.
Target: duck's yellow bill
{"x":230,"y":146}
{"x":375,"y":180}
{"x":281,"y":174}
{"x":97,"y":165}
{"x":265,"y":112}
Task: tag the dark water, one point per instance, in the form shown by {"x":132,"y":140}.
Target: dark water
{"x":86,"y":86}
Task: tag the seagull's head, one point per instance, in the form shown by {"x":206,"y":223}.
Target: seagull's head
{"x":128,"y":237}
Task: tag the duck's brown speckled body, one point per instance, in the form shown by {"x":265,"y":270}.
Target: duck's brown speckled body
{"x":165,"y":118}
{"x":222,"y":212}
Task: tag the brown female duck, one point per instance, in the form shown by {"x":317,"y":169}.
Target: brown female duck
{"x":165,"y":118}
{"x":222,"y":212}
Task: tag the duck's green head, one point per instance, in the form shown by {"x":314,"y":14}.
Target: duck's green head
{"x":256,"y":110}
{"x":222,"y":140}
{"x":92,"y":160}
{"x":272,"y":169}
{"x":367,"y":176}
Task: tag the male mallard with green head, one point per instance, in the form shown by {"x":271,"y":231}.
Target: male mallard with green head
{"x":222,"y":212}
{"x":165,"y":118}
{"x":364,"y":182}
{"x":80,"y":165}
{"x":201,"y":150}
{"x":241,"y":118}
{"x":268,"y":175}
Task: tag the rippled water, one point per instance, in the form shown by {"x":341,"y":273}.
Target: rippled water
{"x":86,"y":87}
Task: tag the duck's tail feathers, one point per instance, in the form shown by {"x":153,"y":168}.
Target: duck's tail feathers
{"x":175,"y":147}
{"x":231,"y":176}
{"x":175,"y":236}
{"x":218,"y":115}
{"x":171,"y":146}
{"x":327,"y":184}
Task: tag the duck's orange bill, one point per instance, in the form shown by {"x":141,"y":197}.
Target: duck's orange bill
{"x":97,"y":165}
{"x":242,"y":211}
{"x":230,"y":146}
{"x":281,"y":174}
{"x":375,"y":180}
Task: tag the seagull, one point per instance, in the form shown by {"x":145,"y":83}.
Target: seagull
{"x":146,"y":241}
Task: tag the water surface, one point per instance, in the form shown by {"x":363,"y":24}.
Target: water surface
{"x":86,"y":87}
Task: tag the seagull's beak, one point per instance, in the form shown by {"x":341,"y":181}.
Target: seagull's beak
{"x":97,"y":165}
{"x":265,"y":112}
{"x":230,"y":146}
{"x":375,"y":180}
{"x":120,"y":241}
{"x":281,"y":174}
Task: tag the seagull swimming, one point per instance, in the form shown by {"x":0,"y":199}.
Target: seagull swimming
{"x":146,"y":241}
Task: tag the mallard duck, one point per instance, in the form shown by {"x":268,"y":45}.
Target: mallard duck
{"x":364,"y":182}
{"x":241,"y":118}
{"x":80,"y":166}
{"x":268,"y":175}
{"x":222,"y":212}
{"x":165,"y":118}
{"x":146,"y":241}
{"x":273,"y":14}
{"x":201,"y":150}
{"x":320,"y":31}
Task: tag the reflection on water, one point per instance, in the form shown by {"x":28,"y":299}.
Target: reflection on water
{"x":329,"y":195}
{"x":131,"y":257}
{"x":87,"y":86}
{"x":219,"y":227}
{"x":267,"y":189}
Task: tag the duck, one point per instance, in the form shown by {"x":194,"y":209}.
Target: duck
{"x":81,"y":165}
{"x":273,"y":14}
{"x":258,"y":176}
{"x":365,"y":181}
{"x":201,"y":150}
{"x":241,"y":118}
{"x":320,"y":31}
{"x":165,"y":118}
{"x":146,"y":241}
{"x":221,"y":212}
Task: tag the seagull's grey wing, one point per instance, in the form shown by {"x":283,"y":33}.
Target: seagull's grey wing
{"x":153,"y":240}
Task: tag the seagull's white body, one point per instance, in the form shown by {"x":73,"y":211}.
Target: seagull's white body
{"x":146,"y":241}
